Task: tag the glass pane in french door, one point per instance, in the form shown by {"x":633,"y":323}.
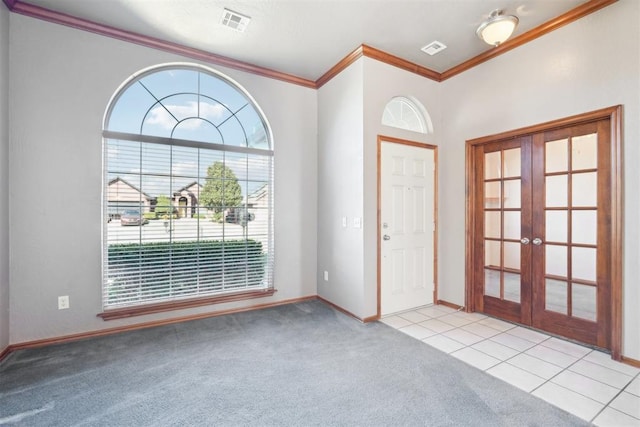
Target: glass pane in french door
{"x":570,"y":246}
{"x":556,"y":296}
{"x":502,"y":224}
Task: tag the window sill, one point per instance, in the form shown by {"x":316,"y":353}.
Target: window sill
{"x":141,"y":310}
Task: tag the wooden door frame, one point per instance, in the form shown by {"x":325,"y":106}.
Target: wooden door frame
{"x":390,"y":139}
{"x":614,"y":114}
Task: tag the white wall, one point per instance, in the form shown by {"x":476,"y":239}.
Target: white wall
{"x":590,"y":64}
{"x":381,"y":83}
{"x":350,"y":114}
{"x":62,"y":80}
{"x":340,"y":251}
{"x":4,"y":177}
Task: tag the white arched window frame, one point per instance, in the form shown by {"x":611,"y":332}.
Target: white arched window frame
{"x":188,"y":192}
{"x":406,"y":112}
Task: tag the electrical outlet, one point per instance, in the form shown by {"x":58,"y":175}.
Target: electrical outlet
{"x":344,"y":221}
{"x":63,"y":302}
{"x":357,"y":222}
{"x":326,"y":276}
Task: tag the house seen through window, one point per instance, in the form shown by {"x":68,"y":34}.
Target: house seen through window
{"x":188,"y":185}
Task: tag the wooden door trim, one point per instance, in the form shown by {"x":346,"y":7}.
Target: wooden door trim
{"x":617,"y":205}
{"x":592,"y":116}
{"x":614,"y":114}
{"x":390,"y":139}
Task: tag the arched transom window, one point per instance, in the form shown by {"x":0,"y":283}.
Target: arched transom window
{"x":406,"y":113}
{"x":188,"y":185}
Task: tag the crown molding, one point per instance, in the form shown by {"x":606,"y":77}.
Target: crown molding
{"x":340,"y":66}
{"x":374,"y":53}
{"x":10,"y":3}
{"x":379,"y":55}
{"x":549,"y":26}
{"x":37,"y":12}
{"x":131,"y":37}
{"x":545,"y":28}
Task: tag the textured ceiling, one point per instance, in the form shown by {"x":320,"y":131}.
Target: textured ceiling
{"x":307,"y":37}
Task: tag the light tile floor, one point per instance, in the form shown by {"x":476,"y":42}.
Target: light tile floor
{"x":582,"y":381}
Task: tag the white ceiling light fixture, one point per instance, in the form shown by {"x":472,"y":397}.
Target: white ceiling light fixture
{"x":235,"y":20}
{"x":497,"y":28}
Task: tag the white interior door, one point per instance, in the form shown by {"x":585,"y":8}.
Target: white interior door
{"x":407,"y":200}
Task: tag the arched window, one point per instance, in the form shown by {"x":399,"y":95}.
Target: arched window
{"x":188,"y":185}
{"x":407,"y":113}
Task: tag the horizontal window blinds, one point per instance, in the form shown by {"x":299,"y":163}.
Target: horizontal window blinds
{"x":188,"y":222}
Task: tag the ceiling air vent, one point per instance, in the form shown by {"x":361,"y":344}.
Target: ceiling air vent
{"x":234,"y":20}
{"x":434,"y":47}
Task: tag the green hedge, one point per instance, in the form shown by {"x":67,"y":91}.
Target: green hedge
{"x":137,"y":271}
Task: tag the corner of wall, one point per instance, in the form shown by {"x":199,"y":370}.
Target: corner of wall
{"x":340,"y":189}
{"x":4,"y":179}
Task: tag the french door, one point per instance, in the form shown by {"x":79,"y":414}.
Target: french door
{"x":543,"y":229}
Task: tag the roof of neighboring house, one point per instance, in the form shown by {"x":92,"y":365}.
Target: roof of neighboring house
{"x":259,"y":193}
{"x":114,"y":180}
{"x":186,"y":187}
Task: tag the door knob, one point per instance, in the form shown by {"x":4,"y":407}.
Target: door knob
{"x":537,"y":241}
{"x":385,"y":237}
{"x":524,"y":241}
